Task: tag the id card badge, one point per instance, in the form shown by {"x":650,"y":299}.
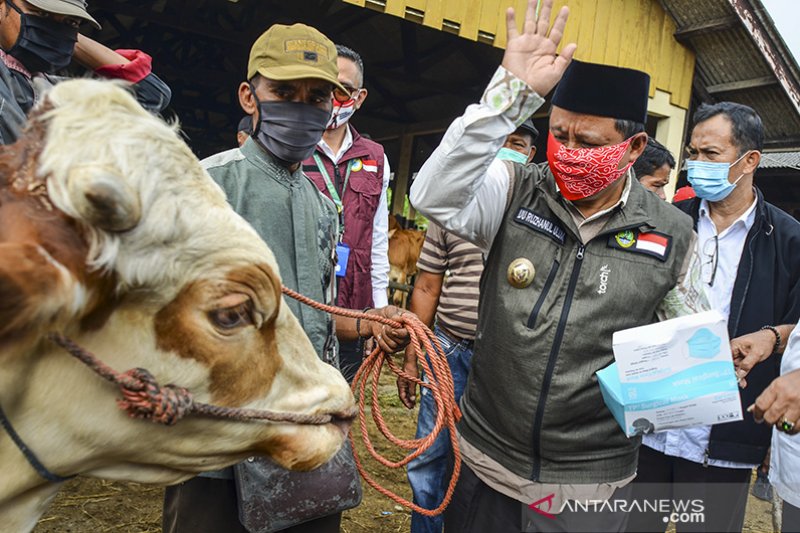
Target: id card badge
{"x":342,"y":255}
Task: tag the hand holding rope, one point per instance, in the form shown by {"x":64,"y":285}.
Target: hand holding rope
{"x":439,"y":383}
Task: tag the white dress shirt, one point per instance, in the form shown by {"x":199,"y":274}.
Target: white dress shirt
{"x":692,"y":443}
{"x":784,"y":469}
{"x":380,"y":225}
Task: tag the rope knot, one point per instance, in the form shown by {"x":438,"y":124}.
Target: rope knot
{"x":144,"y":398}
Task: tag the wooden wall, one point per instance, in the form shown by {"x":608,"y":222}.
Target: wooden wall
{"x":628,"y":33}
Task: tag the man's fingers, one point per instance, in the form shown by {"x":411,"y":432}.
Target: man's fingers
{"x":745,"y":365}
{"x":775,"y":413}
{"x":398,"y":334}
{"x":405,"y":391}
{"x":737,"y":350}
{"x":763,"y":403}
{"x":511,"y":24}
{"x":530,"y":17}
{"x":558,"y":26}
{"x":791,"y":415}
{"x":387,"y":344}
{"x":544,"y":18}
{"x":565,"y":57}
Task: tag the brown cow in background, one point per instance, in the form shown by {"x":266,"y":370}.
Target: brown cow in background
{"x":405,"y":246}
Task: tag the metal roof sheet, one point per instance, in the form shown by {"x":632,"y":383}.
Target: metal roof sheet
{"x":742,"y":58}
{"x":780,"y":160}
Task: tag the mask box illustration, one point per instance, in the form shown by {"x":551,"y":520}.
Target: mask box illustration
{"x":673,"y":374}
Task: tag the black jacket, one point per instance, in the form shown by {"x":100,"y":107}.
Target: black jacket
{"x":766,"y":293}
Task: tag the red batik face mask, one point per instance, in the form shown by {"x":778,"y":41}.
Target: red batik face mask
{"x":583,"y":172}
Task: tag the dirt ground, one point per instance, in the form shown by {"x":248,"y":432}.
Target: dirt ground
{"x":87,"y":505}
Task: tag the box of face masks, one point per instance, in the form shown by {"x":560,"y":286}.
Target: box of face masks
{"x":674,"y":374}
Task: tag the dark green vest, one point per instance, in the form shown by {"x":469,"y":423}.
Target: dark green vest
{"x":532,"y":401}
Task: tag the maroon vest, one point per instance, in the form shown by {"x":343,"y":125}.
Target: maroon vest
{"x":360,"y":200}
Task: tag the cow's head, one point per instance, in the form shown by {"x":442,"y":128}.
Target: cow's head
{"x":112,"y":233}
{"x":405,"y":246}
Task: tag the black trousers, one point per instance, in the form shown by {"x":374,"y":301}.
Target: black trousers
{"x":703,"y":498}
{"x":351,"y":355}
{"x":208,"y":505}
{"x":478,"y":508}
{"x":790,"y":519}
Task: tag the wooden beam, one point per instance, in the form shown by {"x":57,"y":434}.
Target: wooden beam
{"x":690,"y":31}
{"x":417,"y":128}
{"x":402,"y":174}
{"x":782,"y":143}
{"x":742,"y":85}
{"x":172,"y":22}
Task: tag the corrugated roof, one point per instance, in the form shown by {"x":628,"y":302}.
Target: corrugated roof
{"x":742,"y":58}
{"x":780,"y":160}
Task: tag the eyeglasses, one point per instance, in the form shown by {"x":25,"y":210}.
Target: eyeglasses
{"x":347,"y":94}
{"x":711,"y":253}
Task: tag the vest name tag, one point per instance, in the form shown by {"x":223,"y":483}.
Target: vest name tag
{"x":544,"y":225}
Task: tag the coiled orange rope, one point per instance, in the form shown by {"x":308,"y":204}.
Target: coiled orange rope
{"x":439,"y":383}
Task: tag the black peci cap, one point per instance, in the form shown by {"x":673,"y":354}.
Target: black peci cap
{"x":604,"y":91}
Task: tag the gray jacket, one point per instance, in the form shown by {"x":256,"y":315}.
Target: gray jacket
{"x":19,"y":93}
{"x":294,"y":219}
{"x":532,"y":402}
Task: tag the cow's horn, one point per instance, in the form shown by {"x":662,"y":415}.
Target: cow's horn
{"x":103,"y":199}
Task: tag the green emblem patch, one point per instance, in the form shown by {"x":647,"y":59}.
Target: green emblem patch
{"x":625,"y":239}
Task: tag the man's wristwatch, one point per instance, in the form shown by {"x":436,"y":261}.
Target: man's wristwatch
{"x":777,"y":333}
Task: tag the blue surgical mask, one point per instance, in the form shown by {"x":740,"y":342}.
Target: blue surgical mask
{"x":710,"y":180}
{"x":704,"y":344}
{"x":507,"y":154}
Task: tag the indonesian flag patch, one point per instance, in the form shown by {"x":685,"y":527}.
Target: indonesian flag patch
{"x":650,"y":243}
{"x":370,"y":165}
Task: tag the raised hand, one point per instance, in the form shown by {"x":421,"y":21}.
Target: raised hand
{"x":531,"y":55}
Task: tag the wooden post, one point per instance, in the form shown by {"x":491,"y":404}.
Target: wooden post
{"x":402,"y":174}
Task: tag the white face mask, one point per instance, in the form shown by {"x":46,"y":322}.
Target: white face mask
{"x":342,"y":113}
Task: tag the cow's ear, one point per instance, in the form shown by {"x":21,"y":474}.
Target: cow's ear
{"x":103,"y":199}
{"x":31,"y":285}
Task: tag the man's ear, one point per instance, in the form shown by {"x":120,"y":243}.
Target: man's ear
{"x":362,"y":95}
{"x":637,"y":146}
{"x":532,"y":154}
{"x":246,"y":99}
{"x":750,"y":162}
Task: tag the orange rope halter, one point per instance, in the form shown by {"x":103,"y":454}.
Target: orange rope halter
{"x":440,"y":384}
{"x":144,"y":398}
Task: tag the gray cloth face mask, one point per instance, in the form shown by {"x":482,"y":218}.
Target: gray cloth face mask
{"x":290,"y":130}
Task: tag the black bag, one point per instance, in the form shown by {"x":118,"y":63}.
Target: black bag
{"x":272,"y":498}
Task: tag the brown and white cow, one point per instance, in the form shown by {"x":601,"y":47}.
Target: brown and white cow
{"x":405,"y":246}
{"x":112,"y":234}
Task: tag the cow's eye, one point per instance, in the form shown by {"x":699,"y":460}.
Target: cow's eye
{"x":232,"y":317}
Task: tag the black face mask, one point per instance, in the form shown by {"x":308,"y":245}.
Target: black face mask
{"x":290,"y":130}
{"x":43,"y":45}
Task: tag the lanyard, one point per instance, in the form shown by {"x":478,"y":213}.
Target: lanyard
{"x":331,"y":189}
